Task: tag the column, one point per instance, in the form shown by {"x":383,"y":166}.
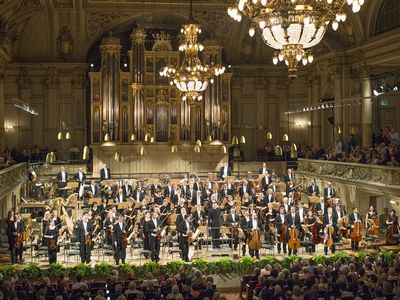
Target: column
{"x":338,"y":110}
{"x":316,"y":114}
{"x":366,"y":110}
{"x":2,"y":132}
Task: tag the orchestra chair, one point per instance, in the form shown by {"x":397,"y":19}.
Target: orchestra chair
{"x":305,"y":245}
{"x":108,"y":250}
{"x":268,"y":247}
{"x":73,"y":251}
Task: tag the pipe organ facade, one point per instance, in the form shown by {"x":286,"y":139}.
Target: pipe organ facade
{"x":140,"y":104}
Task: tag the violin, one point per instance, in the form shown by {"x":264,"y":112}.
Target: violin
{"x":391,"y":230}
{"x":294,"y":242}
{"x":356,"y":235}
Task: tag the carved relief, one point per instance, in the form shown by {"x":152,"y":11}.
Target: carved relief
{"x":162,"y":42}
{"x":63,"y":3}
{"x":97,"y":20}
{"x":29,"y":4}
{"x":65,"y":43}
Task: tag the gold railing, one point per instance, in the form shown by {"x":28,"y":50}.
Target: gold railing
{"x":380,"y":176}
{"x":12,"y":176}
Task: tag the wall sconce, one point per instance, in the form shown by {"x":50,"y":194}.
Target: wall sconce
{"x":8,"y":128}
{"x":285,"y":138}
{"x":278,"y":150}
{"x":197,"y":149}
{"x":141,"y":151}
{"x":152,"y":139}
{"x":339,"y":129}
{"x":107,"y":137}
{"x":51,"y":157}
{"x":293,"y":151}
{"x":209,"y":138}
{"x":59,"y":136}
{"x":198,"y":142}
{"x":235,"y":141}
{"x":269,"y":136}
{"x":67,"y":136}
{"x":85,"y":155}
{"x":147,"y":137}
{"x":174,"y":149}
{"x":242,"y":140}
{"x":223,"y":149}
{"x":133,"y":137}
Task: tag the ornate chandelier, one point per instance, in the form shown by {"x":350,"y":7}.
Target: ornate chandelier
{"x":292,"y":26}
{"x":192,"y":77}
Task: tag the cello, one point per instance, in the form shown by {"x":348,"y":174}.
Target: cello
{"x":356,"y":235}
{"x":391,"y":230}
{"x":255,"y":242}
{"x":294,"y":242}
{"x":328,"y":231}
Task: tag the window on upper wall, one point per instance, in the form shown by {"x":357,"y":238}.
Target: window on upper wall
{"x":388,"y":16}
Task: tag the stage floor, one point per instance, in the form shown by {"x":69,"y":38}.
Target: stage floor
{"x":135,"y":255}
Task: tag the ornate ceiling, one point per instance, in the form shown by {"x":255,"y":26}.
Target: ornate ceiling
{"x":38,"y":27}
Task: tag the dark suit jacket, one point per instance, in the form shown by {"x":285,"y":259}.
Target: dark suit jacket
{"x":278,"y":222}
{"x":215,"y":217}
{"x":194,"y":200}
{"x":326,"y":220}
{"x":96,"y":190}
{"x":127,"y":190}
{"x":11,"y":230}
{"x":167,"y":193}
{"x":103,"y":175}
{"x":179,"y":219}
{"x":230,"y":220}
{"x":287,"y":179}
{"x":266,"y":180}
{"x":59,"y":177}
{"x":318,"y":208}
{"x":242,"y":191}
{"x":182,"y":228}
{"x":149,"y":227}
{"x":221,"y":172}
{"x":310,"y":190}
{"x":352,"y":219}
{"x":81,"y":231}
{"x":268,"y":199}
{"x":333,"y":192}
{"x":224,"y":193}
{"x":141,"y":195}
{"x":291,"y":221}
{"x":196,"y":218}
{"x":117,"y":236}
{"x":261,"y":171}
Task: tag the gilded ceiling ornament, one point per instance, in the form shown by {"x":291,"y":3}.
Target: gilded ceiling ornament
{"x":162,"y":42}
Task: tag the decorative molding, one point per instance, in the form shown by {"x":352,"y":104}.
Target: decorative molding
{"x":98,"y":20}
{"x":373,"y":176}
{"x":63,"y":3}
{"x":29,"y":4}
{"x":12,"y":176}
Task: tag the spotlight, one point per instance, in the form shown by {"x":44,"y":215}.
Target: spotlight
{"x":92,"y":65}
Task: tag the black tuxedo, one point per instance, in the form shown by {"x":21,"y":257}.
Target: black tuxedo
{"x":94,"y":189}
{"x":85,"y":249}
{"x":80,"y":177}
{"x":139,"y":197}
{"x":194,"y":200}
{"x":262,"y":171}
{"x":269,"y":198}
{"x":119,"y":245}
{"x":215,"y":222}
{"x":266,"y":180}
{"x":154,"y":243}
{"x":12,"y":232}
{"x":352,"y":221}
{"x":287,"y":178}
{"x":60,"y":179}
{"x":127,"y":190}
{"x":103,"y":174}
{"x":250,"y":227}
{"x":313,"y":189}
{"x":183,"y":229}
{"x":196,"y":218}
{"x":278,"y":224}
{"x":223,"y":193}
{"x":232,"y":219}
{"x":244,"y":190}
{"x":332,"y":192}
{"x":154,"y":188}
{"x":167,"y":192}
{"x":159,"y":200}
{"x":191,"y":193}
{"x":228,"y":172}
{"x":318,"y":207}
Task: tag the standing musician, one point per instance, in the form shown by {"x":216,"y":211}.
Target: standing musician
{"x":127,"y":189}
{"x":263,"y":169}
{"x":281,"y":226}
{"x":152,"y":230}
{"x":232,"y":222}
{"x":158,"y":198}
{"x":245,"y":189}
{"x":341,"y":223}
{"x":120,"y":239}
{"x":321,"y":207}
{"x":15,"y":232}
{"x":138,"y":194}
{"x":254,"y":226}
{"x":215,"y":222}
{"x":224,"y":192}
{"x":289,"y":176}
{"x":371,"y":222}
{"x":244,"y":221}
{"x":185,"y":233}
{"x":225,"y":171}
{"x":293,"y":222}
{"x":142,"y":229}
{"x":330,"y":221}
{"x":51,"y":237}
{"x":197,"y":199}
{"x":198,"y":217}
{"x":269,"y":215}
{"x":355,"y":225}
{"x":105,"y":173}
{"x":302,"y":212}
{"x":313,"y":189}
{"x":80,"y":177}
{"x":109,"y":226}
{"x":392,"y":223}
{"x":329,"y":191}
{"x":62,"y":178}
{"x":85,"y":229}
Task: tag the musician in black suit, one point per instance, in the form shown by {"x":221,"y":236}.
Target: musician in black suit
{"x":62,"y":178}
{"x":225,"y":171}
{"x":158,"y":198}
{"x":105,"y":173}
{"x":313,"y":189}
{"x":321,"y":207}
{"x":191,"y":192}
{"x":330,"y":220}
{"x":119,"y":240}
{"x":80,"y":177}
{"x":232,"y":222}
{"x":254,"y":224}
{"x":181,"y":216}
{"x":263,"y":169}
{"x":302,"y":212}
{"x":329,"y":191}
{"x":244,"y":220}
{"x":293,"y":222}
{"x":289,"y":176}
{"x":281,"y":219}
{"x":183,"y":230}
{"x":224,"y":192}
{"x":152,"y":229}
{"x":84,"y":234}
{"x":197,"y":199}
{"x":93,"y":189}
{"x":245,"y":188}
{"x":269,"y":198}
{"x":127,"y":189}
{"x":215,"y":222}
{"x":138,"y":194}
{"x":198,"y":216}
{"x":15,"y":230}
{"x":354,"y":218}
{"x":265,"y":181}
{"x":168,"y":190}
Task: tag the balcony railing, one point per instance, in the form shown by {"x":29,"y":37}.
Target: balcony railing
{"x":12,"y":176}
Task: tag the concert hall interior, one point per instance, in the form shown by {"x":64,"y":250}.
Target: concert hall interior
{"x":213,"y":136}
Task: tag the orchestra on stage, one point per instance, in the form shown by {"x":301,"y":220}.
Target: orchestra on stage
{"x":245,"y":215}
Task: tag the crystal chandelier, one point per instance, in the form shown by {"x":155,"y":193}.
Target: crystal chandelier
{"x":192,"y":77}
{"x":292,"y":26}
